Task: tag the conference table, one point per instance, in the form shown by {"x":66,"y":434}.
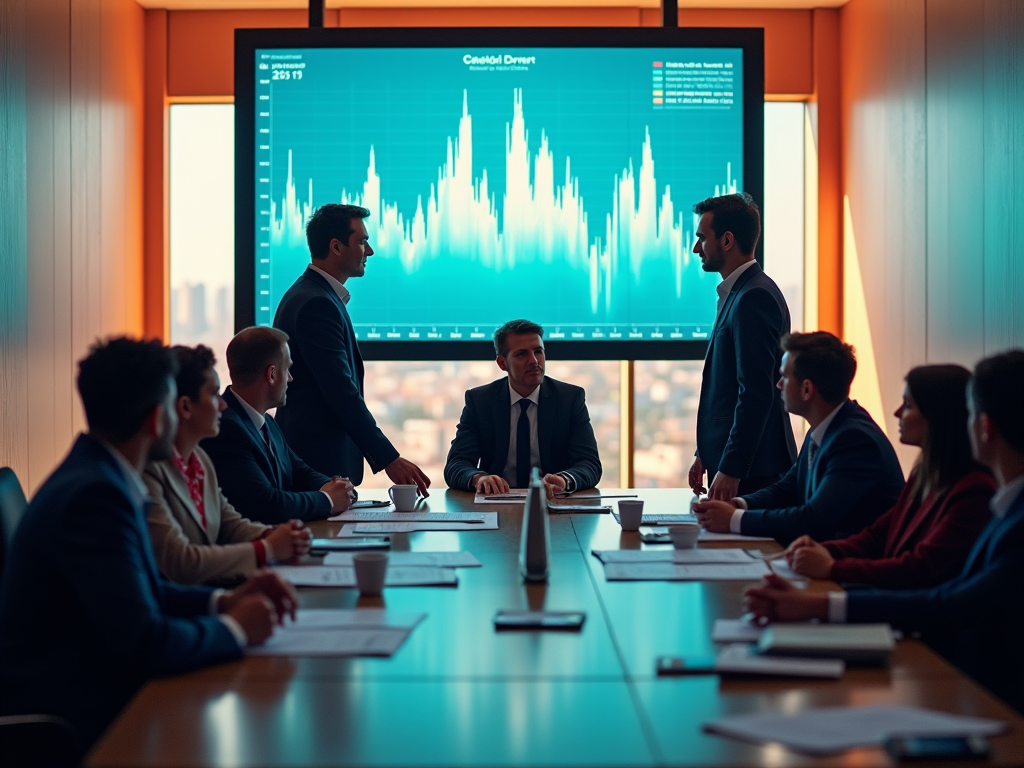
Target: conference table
{"x":459,"y":693}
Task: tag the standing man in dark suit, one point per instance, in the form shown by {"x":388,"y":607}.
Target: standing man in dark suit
{"x":977,"y":619}
{"x":259,"y":473}
{"x":326,"y":419}
{"x":523,"y":421}
{"x":744,"y":438}
{"x":85,"y":619}
{"x":847,"y":474}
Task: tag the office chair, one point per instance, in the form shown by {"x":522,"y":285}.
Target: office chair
{"x":29,"y":740}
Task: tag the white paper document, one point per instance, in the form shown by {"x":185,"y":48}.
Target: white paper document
{"x":361,"y":632}
{"x":398,"y":559}
{"x":662,"y":519}
{"x":407,"y":517}
{"x":835,"y":729}
{"x":514,"y":496}
{"x":340,"y":576}
{"x":742,"y":630}
{"x":669,"y":571}
{"x":691,"y":556}
{"x":578,"y":508}
{"x":741,"y":658}
{"x":358,"y":529}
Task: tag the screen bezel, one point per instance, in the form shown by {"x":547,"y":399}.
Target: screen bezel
{"x":247,"y":41}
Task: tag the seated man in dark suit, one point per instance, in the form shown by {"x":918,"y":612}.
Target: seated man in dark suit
{"x":85,"y":619}
{"x":847,"y":473}
{"x":523,"y":421}
{"x":976,"y":619}
{"x":259,"y":473}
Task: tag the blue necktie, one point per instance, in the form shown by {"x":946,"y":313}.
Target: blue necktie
{"x":523,"y":446}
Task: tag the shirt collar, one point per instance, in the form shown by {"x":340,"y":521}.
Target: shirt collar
{"x":257,"y":418}
{"x":818,"y":433}
{"x":339,"y":289}
{"x":191,"y":469}
{"x":533,"y":397}
{"x":725,"y":287}
{"x":136,"y":486}
{"x":1003,"y":499}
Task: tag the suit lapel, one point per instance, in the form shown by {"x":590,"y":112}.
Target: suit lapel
{"x":729,"y":301}
{"x":350,"y":340}
{"x":257,"y":436}
{"x":179,"y":486}
{"x":502,"y":426}
{"x":545,"y":406}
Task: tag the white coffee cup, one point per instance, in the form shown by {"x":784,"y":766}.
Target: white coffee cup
{"x":684,"y":536}
{"x":631,"y":514}
{"x":371,"y":570}
{"x":403,"y":497}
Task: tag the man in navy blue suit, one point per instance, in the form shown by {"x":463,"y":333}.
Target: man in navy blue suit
{"x":522,"y":421}
{"x":259,"y":473}
{"x":326,"y":420}
{"x":977,"y":619}
{"x":744,"y":438}
{"x":85,"y":619}
{"x":847,"y":474}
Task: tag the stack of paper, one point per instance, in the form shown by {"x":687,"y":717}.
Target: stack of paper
{"x":853,"y":642}
{"x":662,"y":519}
{"x":742,"y":659}
{"x":413,"y":559}
{"x":329,"y":632}
{"x":836,"y":729}
{"x":341,"y":576}
{"x":358,"y":524}
{"x":514,"y":496}
{"x":679,"y":565}
{"x":578,"y":508}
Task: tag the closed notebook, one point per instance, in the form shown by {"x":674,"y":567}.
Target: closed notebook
{"x":852,"y":642}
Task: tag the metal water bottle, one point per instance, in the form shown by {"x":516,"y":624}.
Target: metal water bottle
{"x":535,"y":550}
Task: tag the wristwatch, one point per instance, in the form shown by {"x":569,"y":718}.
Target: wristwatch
{"x":570,"y":481}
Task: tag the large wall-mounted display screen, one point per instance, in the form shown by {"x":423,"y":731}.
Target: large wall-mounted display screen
{"x":507,"y":176}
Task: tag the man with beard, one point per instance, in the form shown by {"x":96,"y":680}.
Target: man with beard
{"x":85,"y":619}
{"x":744,"y":437}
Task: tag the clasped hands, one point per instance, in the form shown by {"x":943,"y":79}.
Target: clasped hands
{"x":260,"y":604}
{"x":496,"y":484}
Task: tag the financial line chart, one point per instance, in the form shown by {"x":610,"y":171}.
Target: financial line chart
{"x":494,"y":235}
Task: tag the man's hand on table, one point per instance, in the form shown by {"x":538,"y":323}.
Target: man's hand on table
{"x":778,"y":600}
{"x":492,"y":485}
{"x":404,"y":472}
{"x":553,"y":484}
{"x":714,"y":516}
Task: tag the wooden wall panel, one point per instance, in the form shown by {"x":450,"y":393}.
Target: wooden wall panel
{"x":71,"y":190}
{"x":955,"y":35}
{"x":1004,"y":174}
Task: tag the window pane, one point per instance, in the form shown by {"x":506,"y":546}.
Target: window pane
{"x":418,"y":405}
{"x":202,"y":226}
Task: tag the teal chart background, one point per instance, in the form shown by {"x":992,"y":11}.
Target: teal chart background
{"x":553,"y":184}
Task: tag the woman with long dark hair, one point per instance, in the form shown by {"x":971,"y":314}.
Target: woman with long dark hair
{"x":924,"y":540}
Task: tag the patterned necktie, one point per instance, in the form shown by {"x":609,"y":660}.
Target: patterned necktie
{"x":523,"y":445}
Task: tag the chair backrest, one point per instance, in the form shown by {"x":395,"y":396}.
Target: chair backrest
{"x":12,"y":507}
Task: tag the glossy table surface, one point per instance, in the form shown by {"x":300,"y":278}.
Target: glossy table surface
{"x":457,"y":693}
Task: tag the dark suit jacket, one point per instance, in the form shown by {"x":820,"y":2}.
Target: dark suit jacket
{"x":564,"y":434}
{"x":743,"y":429}
{"x":326,"y":419}
{"x":259,"y":487}
{"x":85,"y":619}
{"x":857,"y":477}
{"x":977,"y":619}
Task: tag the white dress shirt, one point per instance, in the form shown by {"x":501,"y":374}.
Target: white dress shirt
{"x":338,"y":287}
{"x":817,"y":435}
{"x":258,"y":420}
{"x":509,"y":473}
{"x":724,"y":288}
{"x":140,"y":495}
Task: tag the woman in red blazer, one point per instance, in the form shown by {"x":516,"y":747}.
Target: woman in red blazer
{"x":924,"y":540}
